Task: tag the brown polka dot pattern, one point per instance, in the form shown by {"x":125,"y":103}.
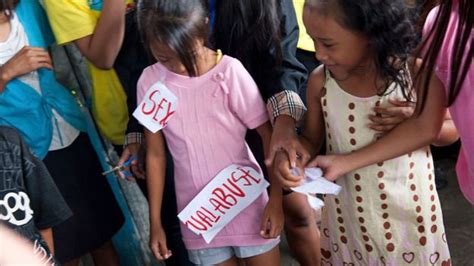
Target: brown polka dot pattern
{"x":413,"y":189}
{"x":359,"y":199}
{"x":422,"y":240}
{"x":323,"y":92}
{"x":368,"y":247}
{"x":340,"y":220}
{"x":434,"y":228}
{"x":365,"y":217}
{"x":390,"y":247}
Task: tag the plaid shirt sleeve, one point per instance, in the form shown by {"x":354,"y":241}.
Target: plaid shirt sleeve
{"x":288,"y":103}
{"x":132,"y":138}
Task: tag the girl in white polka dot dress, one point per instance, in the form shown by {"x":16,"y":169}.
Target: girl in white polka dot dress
{"x":388,"y":212}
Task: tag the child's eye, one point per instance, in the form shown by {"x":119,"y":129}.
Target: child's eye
{"x":328,"y":45}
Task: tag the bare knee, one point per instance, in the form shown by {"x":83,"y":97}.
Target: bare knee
{"x":298,"y":213}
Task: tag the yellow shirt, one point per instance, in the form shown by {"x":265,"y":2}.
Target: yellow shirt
{"x":74,"y":19}
{"x":304,"y":41}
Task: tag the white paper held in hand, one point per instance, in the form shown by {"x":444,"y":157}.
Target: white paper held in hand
{"x":315,"y":183}
{"x":157,"y":107}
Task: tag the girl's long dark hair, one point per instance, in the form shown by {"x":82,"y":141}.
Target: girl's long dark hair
{"x":390,"y":31}
{"x":391,"y":34}
{"x":433,"y":45}
{"x":177,"y":24}
{"x":246,"y":28}
{"x":6,"y":6}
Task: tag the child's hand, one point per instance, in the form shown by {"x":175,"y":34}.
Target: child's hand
{"x":158,"y":244}
{"x":333,"y":166}
{"x":272,"y":222}
{"x":388,"y":118}
{"x":27,"y":60}
{"x":136,"y":167}
{"x":285,"y":138}
{"x":281,"y":168}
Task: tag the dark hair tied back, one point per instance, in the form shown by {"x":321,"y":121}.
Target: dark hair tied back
{"x":177,"y":24}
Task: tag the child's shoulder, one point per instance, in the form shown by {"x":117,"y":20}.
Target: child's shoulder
{"x":316,"y":81}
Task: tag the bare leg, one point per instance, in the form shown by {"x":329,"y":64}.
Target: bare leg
{"x":301,"y":229}
{"x":230,"y":262}
{"x":106,"y":255}
{"x":270,"y":258}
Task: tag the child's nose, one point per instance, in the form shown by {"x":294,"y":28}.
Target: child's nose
{"x":320,"y":55}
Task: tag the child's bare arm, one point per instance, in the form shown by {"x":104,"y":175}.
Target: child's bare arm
{"x":313,"y":132}
{"x":390,"y":117}
{"x":102,"y":47}
{"x":414,"y":133}
{"x":155,"y":172}
{"x":27,"y":60}
{"x":272,"y":222}
{"x":449,"y":134}
{"x":47,"y":235}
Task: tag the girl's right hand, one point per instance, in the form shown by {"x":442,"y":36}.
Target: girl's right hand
{"x":389,"y":117}
{"x":158,"y":243}
{"x":28,"y":59}
{"x":282,"y":170}
{"x":333,"y":166}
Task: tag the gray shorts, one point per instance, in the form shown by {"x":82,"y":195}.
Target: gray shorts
{"x":213,"y":256}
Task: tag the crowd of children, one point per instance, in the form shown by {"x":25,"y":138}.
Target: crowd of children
{"x":187,"y":89}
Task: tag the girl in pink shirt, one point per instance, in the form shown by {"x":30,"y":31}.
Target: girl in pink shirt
{"x":449,"y":53}
{"x":217,"y":102}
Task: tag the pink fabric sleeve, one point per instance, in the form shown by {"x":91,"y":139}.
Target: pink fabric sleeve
{"x":245,"y":99}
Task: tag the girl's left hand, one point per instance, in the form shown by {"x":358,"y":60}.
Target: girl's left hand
{"x":284,"y":138}
{"x":389,"y":117}
{"x":333,"y":166}
{"x":273,"y":219}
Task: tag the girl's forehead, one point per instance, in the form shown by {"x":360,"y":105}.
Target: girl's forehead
{"x":317,"y":22}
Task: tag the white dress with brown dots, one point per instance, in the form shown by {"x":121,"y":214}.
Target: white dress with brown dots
{"x":388,"y":213}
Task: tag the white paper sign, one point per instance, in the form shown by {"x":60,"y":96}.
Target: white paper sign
{"x":230,"y":192}
{"x":157,"y":107}
{"x":315,"y":183}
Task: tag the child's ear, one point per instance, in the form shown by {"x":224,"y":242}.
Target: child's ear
{"x":206,"y":20}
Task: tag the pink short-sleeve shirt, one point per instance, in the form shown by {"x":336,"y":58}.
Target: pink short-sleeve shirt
{"x":462,"y":110}
{"x":207,"y":134}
